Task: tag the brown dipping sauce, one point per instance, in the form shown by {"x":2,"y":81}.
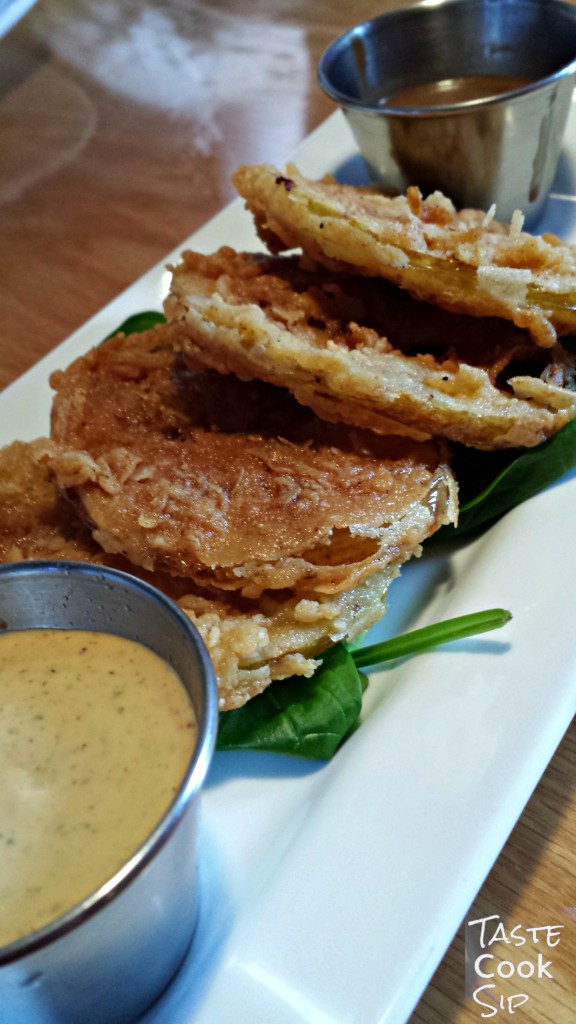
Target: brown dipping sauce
{"x":448,"y":91}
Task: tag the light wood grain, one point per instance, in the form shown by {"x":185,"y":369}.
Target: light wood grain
{"x":120,"y":126}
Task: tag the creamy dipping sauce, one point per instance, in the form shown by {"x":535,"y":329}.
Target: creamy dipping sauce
{"x":96,"y":734}
{"x":455,"y":90}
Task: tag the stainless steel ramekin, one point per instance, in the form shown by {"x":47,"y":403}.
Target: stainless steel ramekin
{"x":109,"y":958}
{"x":501,"y":150}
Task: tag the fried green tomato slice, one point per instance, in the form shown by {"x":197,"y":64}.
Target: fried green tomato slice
{"x":464,"y":261}
{"x":361,"y":351}
{"x":235,"y":484}
{"x":251,"y":643}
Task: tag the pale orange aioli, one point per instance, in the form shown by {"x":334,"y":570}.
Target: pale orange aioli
{"x":96,"y":733}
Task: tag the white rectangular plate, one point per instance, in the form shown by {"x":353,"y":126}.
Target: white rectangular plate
{"x":331,"y":892}
{"x":11,"y":11}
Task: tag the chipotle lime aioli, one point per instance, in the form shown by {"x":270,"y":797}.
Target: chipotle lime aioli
{"x":96,"y":733}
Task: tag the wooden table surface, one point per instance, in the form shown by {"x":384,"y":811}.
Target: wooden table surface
{"x":121,"y":122}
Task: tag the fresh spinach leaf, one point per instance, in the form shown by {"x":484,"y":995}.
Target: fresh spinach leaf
{"x":301,"y":717}
{"x":139,"y":322}
{"x":311,"y":717}
{"x":511,"y":483}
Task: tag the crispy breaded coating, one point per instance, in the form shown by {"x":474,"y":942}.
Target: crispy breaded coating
{"x":463,"y":261}
{"x":251,"y":643}
{"x":36,"y":521}
{"x":362,"y":351}
{"x":280,"y":634}
{"x":231,"y":484}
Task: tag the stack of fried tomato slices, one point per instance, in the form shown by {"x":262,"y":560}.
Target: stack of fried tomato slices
{"x":273,"y":454}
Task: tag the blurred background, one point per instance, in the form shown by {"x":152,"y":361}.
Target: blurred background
{"x":121,"y":123}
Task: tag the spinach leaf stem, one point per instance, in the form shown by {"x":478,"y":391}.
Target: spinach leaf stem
{"x":419,"y":640}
